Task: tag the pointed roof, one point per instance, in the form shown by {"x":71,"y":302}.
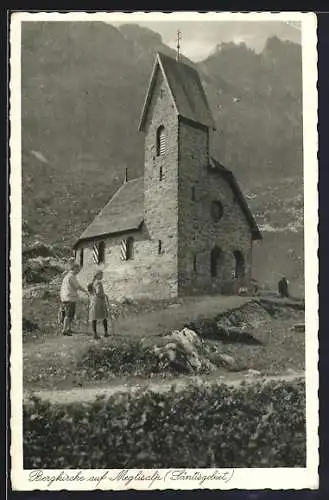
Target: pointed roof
{"x":185,"y":88}
{"x":229,"y":176}
{"x":124,"y":212}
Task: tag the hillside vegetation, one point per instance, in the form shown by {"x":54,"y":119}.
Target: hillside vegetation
{"x":259,"y":425}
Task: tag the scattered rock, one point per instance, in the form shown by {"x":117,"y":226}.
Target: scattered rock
{"x":184,"y":351}
{"x":188,"y":338}
{"x":222,"y":359}
{"x":253,"y":373}
{"x":127,"y":301}
{"x":37,"y":249}
{"x":227,"y":360}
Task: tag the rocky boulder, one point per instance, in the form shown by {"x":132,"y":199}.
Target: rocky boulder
{"x":42,"y":269}
{"x":186,"y":352}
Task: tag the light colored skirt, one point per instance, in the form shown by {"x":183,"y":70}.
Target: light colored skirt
{"x":97,"y":309}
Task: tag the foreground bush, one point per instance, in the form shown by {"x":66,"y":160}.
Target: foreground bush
{"x":260,"y":425}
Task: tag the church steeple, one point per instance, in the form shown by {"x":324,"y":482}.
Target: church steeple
{"x":185,"y":89}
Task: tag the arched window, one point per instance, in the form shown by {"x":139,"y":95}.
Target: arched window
{"x":81,"y":257}
{"x":130,"y":248}
{"x":161,"y":141}
{"x":99,"y":252}
{"x":239,"y":271}
{"x":215,"y":261}
{"x":216,"y":210}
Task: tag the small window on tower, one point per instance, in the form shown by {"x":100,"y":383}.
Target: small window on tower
{"x":161,"y":141}
{"x":162,"y":93}
{"x":160,"y":174}
{"x":194,"y":263}
{"x":81,"y":257}
{"x":217,"y":210}
{"x":159,"y":247}
{"x":193,"y":193}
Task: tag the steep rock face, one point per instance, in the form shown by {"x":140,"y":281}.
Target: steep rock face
{"x":257,"y":109}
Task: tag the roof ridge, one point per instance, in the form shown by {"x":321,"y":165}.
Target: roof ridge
{"x":112,"y":197}
{"x":164,"y":74}
{"x":118,"y":191}
{"x":192,"y":66}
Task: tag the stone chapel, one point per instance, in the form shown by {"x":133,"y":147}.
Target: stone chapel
{"x":184,"y":227}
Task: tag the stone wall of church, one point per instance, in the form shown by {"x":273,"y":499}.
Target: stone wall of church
{"x":172,"y":253}
{"x":146,"y":275}
{"x":198,"y":232}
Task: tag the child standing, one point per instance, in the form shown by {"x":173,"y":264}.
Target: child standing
{"x":97,"y":305}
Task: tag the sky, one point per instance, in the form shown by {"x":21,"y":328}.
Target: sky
{"x":199,"y":39}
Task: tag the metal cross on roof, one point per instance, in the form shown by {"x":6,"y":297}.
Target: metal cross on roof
{"x":179,"y":37}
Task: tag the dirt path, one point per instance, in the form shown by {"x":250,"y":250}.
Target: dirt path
{"x":145,"y":323}
{"x":160,"y":386}
{"x":37,"y":352}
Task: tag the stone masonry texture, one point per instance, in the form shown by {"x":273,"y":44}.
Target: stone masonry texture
{"x":198,"y":232}
{"x":177,"y":214}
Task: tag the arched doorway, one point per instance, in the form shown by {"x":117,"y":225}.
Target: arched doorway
{"x":239,"y":271}
{"x":215,"y":261}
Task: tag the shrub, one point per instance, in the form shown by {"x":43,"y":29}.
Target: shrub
{"x":130,"y":356}
{"x":42,"y":269}
{"x":125,"y":356}
{"x":261,"y":425}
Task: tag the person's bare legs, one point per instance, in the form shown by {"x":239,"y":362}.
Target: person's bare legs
{"x":94,"y":327}
{"x":67,"y":326}
{"x":105,"y":328}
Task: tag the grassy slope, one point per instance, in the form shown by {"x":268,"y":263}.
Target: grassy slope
{"x":50,"y":360}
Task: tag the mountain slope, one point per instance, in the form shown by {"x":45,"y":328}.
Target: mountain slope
{"x":82,"y":93}
{"x":83,"y":87}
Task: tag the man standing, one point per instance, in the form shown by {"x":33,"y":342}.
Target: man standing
{"x":283,"y":287}
{"x":69,"y":296}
